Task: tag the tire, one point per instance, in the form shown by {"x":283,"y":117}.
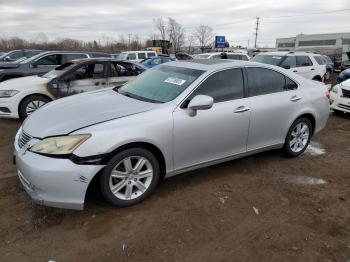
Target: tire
{"x":317,"y":78}
{"x":130,"y":186}
{"x":301,"y":141}
{"x":338,"y":112}
{"x":30,"y":104}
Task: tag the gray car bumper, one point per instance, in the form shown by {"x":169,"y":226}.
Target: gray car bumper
{"x":54,"y":182}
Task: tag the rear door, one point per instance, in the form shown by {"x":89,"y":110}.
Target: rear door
{"x":304,"y":67}
{"x":275,"y":101}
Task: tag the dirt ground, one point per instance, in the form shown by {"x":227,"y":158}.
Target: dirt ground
{"x":260,"y":208}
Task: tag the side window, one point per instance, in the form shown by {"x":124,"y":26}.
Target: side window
{"x":290,"y":84}
{"x":216,"y":57}
{"x":263,"y":81}
{"x":244,"y":57}
{"x":141,"y":55}
{"x":50,"y":60}
{"x":87,"y":71}
{"x":123,"y":69}
{"x":16,"y":55}
{"x":319,"y":59}
{"x":166,"y":59}
{"x":222,"y":86}
{"x":289,"y":61}
{"x":131,"y":56}
{"x":70,"y":57}
{"x":151,"y":54}
{"x":303,"y":61}
{"x":234,"y":56}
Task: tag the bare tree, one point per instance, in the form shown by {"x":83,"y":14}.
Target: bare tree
{"x":161,"y":26}
{"x":176,"y":34}
{"x":204,"y":34}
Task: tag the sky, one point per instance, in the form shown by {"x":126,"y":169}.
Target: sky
{"x":90,"y":19}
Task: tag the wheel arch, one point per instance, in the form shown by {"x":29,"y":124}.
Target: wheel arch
{"x":310,"y":117}
{"x":317,"y":77}
{"x":32,"y":94}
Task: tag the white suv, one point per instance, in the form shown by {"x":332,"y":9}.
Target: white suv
{"x":308,"y":65}
{"x":340,"y":97}
{"x":136,"y":56}
{"x":222,"y":55}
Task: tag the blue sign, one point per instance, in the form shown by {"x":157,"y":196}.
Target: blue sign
{"x":220,"y":41}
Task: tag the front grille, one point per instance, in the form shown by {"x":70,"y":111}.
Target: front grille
{"x":344,"y":106}
{"x":346,"y":93}
{"x":23,"y":139}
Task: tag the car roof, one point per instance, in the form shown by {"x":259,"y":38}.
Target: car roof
{"x":102,"y":59}
{"x":212,"y":64}
{"x":283,"y":53}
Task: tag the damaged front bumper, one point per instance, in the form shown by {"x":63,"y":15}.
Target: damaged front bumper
{"x":53,"y":182}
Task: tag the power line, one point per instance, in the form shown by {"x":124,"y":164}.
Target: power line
{"x":307,"y":14}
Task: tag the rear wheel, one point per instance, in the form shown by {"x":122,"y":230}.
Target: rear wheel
{"x":30,"y":104}
{"x":130,"y":177}
{"x":298,"y":137}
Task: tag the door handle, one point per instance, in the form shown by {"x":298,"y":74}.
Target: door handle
{"x":97,"y":83}
{"x":295,"y":71}
{"x":295,"y":98}
{"x":241,"y":109}
{"x":103,"y":83}
{"x":312,"y":69}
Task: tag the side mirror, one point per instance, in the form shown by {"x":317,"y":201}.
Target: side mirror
{"x":34,"y":65}
{"x":7,"y":59}
{"x":200,"y":102}
{"x":286,"y":66}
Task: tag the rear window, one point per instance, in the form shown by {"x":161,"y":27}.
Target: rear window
{"x":151,"y":54}
{"x":131,"y":56}
{"x":141,"y":55}
{"x":319,"y":60}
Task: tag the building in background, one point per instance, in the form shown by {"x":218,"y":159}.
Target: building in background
{"x":336,"y":45}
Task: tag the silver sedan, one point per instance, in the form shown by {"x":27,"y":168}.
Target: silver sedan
{"x":169,"y":120}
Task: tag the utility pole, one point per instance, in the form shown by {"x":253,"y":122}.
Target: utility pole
{"x":129,"y":40}
{"x":256,"y":30}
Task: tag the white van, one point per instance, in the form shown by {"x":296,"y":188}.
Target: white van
{"x":136,"y":56}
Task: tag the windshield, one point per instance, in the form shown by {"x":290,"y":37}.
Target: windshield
{"x":161,"y":84}
{"x":268,"y":59}
{"x":59,"y":70}
{"x":31,"y":58}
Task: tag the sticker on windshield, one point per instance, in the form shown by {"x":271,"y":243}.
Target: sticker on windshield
{"x":175,"y":81}
{"x":277,"y":57}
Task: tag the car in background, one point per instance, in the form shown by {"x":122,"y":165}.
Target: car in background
{"x":309,"y":65}
{"x":136,"y":56}
{"x":15,"y":55}
{"x":344,"y":75}
{"x":220,"y":55}
{"x":157,"y":60}
{"x":20,"y":97}
{"x":115,"y":55}
{"x":345,"y":65}
{"x":340,"y":97}
{"x":183,"y":56}
{"x":42,"y":63}
{"x":177,"y":117}
{"x":329,"y":66}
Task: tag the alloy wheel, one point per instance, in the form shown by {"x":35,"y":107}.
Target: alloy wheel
{"x":33,"y":106}
{"x":299,"y":137}
{"x":131,"y":177}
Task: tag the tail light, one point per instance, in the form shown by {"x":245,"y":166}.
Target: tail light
{"x":328,"y":95}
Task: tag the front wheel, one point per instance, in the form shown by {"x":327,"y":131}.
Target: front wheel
{"x":298,"y":137}
{"x":130,"y":177}
{"x":31,"y":104}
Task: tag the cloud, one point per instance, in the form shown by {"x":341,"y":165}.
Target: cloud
{"x":88,"y":20}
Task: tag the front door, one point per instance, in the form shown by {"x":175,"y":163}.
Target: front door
{"x":218,"y":132}
{"x":46,"y":64}
{"x":304,"y":67}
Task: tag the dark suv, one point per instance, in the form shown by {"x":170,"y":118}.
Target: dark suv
{"x":42,"y":63}
{"x":15,"y":55}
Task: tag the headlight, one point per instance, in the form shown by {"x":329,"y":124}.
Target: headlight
{"x":59,"y":145}
{"x":8,"y":93}
{"x":335,"y":89}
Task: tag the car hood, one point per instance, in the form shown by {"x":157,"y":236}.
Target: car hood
{"x":22,"y":83}
{"x":78,"y":111}
{"x":8,"y":65}
{"x":345,"y":84}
